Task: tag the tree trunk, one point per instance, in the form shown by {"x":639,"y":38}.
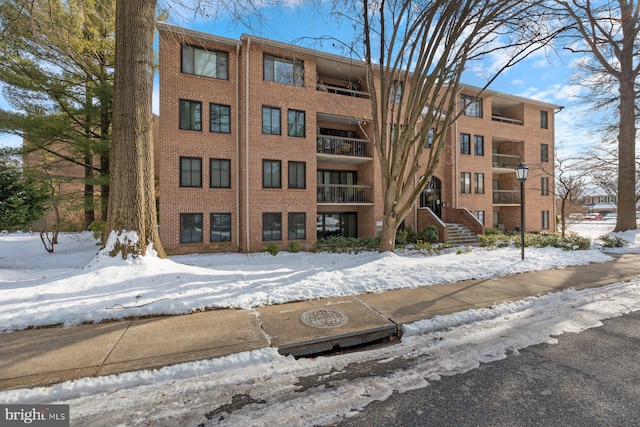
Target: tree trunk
{"x":104,"y":187}
{"x":89,"y":214}
{"x":132,"y":223}
{"x":627,"y":154}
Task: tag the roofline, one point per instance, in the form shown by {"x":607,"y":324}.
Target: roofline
{"x":163,"y":26}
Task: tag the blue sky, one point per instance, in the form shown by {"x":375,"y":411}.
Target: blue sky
{"x":543,"y":76}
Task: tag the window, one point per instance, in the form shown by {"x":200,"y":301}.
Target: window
{"x":479,"y":183}
{"x":283,"y":70}
{"x":544,"y":152}
{"x":220,"y":173}
{"x":544,"y":185}
{"x":190,"y":115}
{"x":220,"y":118}
{"x":544,"y":120}
{"x":478,"y":145}
{"x":271,"y":120}
{"x":396,"y":92}
{"x":271,"y":176}
{"x":271,"y":226}
{"x":297,"y":175}
{"x":471,"y":106}
{"x":220,"y":227}
{"x":190,"y":172}
{"x":190,"y":227}
{"x":545,"y":220}
{"x":480,"y":216}
{"x":429,"y":142}
{"x":336,"y":224}
{"x":296,"y":123}
{"x":297,"y":225}
{"x":465,"y":182}
{"x":206,"y":63}
{"x":465,"y":143}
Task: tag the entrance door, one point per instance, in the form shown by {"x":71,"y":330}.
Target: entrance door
{"x":430,"y":197}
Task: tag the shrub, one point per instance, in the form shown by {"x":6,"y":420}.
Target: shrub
{"x":428,"y":234}
{"x":98,"y":228}
{"x":293,"y":247}
{"x":347,"y":244}
{"x":405,"y":237}
{"x":612,"y":241}
{"x":272,"y":249}
{"x":536,"y":240}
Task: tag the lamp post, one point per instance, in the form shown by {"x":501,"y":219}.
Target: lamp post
{"x":521,"y":175}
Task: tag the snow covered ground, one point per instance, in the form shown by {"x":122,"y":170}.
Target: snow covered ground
{"x":73,"y":285}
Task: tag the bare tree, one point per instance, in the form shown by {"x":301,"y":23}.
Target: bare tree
{"x":415,"y":53}
{"x":607,"y":35}
{"x":570,"y":189}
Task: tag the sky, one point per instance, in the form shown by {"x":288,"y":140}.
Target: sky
{"x":68,"y":286}
{"x":544,"y":76}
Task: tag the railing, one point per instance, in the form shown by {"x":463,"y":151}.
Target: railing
{"x":337,"y":193}
{"x":341,"y":146}
{"x":506,"y":161}
{"x":506,"y":197}
{"x":497,"y":118}
{"x":339,"y":90}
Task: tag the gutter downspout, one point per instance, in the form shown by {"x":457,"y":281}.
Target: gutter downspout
{"x":237,"y":120}
{"x":246,"y":166}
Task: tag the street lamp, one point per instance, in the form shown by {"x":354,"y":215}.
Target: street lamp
{"x":521,"y":175}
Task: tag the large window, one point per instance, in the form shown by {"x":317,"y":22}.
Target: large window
{"x":220,"y":173}
{"x":465,"y":143}
{"x":478,"y":145}
{"x":297,"y":225}
{"x":544,"y":152}
{"x":296,"y":123}
{"x":297,"y":175}
{"x":465,"y":182}
{"x":190,"y":227}
{"x":544,"y":185}
{"x":544,"y":120}
{"x":206,"y":63}
{"x":220,"y":118}
{"x":479,"y":183}
{"x":271,"y":120}
{"x":271,"y":226}
{"x":471,"y":106}
{"x":271,"y":174}
{"x":336,"y":224}
{"x":480,"y":216}
{"x":283,"y":70}
{"x":220,"y":227}
{"x":545,"y":220}
{"x":190,"y":115}
{"x":190,"y":172}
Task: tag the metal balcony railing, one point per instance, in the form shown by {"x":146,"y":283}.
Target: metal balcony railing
{"x":507,"y":161}
{"x":498,"y":118}
{"x":506,"y":197}
{"x":339,"y":90}
{"x":341,"y":146}
{"x":337,"y":193}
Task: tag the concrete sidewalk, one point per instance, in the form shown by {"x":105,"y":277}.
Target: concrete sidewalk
{"x":41,"y":357}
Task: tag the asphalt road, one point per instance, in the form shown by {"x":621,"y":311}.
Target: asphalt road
{"x":587,"y":379}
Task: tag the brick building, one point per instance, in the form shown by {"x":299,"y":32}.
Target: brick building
{"x":262,"y":142}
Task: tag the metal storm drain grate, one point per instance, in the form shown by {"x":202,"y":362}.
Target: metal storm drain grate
{"x":324,"y":318}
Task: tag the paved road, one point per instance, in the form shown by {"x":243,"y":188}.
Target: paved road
{"x":587,"y":379}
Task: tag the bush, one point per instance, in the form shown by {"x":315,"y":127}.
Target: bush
{"x":98,"y":228}
{"x":347,"y":244}
{"x":293,"y":247}
{"x":428,"y":234}
{"x":272,"y":249}
{"x":405,"y":236}
{"x":537,"y":240}
{"x":612,"y":241}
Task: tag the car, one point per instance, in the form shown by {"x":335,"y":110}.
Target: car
{"x":595,"y":216}
{"x":610,"y":217}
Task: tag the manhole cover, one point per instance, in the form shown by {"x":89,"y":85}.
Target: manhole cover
{"x":324,"y":318}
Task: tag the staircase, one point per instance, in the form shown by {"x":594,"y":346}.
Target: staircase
{"x":459,"y":235}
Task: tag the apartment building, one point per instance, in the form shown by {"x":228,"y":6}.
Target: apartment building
{"x":264,"y":142}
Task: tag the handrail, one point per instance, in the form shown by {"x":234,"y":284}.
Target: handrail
{"x":338,"y":145}
{"x":497,"y":118}
{"x":339,"y":90}
{"x":344,"y":193}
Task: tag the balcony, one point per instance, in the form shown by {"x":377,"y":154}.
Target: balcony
{"x":506,"y":197}
{"x":505,"y":163}
{"x":347,"y":90}
{"x":499,"y":118}
{"x":344,"y":194}
{"x":338,"y":149}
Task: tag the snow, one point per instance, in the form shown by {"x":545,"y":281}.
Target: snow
{"x":74,"y":285}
